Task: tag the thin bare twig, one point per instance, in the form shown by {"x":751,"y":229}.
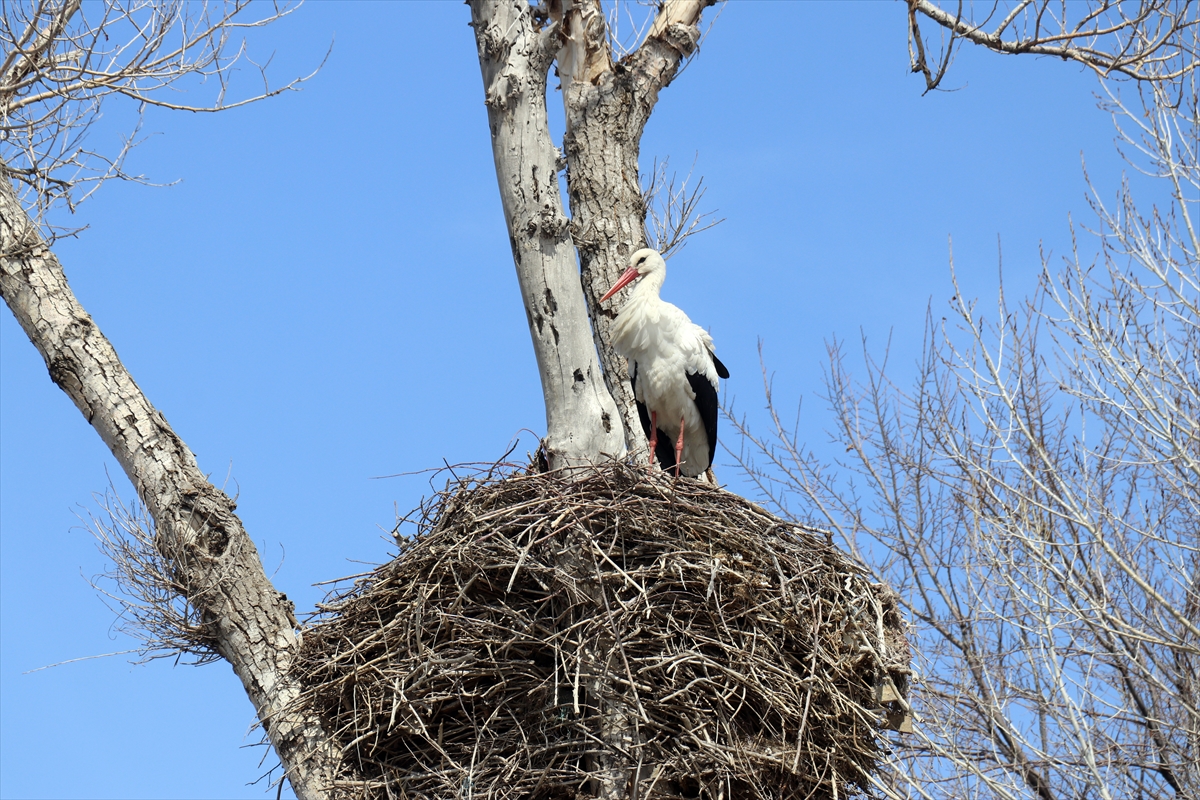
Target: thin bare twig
{"x":63,"y":60}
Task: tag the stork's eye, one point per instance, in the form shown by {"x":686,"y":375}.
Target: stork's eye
{"x":640,"y":260}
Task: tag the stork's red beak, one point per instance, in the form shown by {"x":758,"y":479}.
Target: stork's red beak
{"x":627,"y":277}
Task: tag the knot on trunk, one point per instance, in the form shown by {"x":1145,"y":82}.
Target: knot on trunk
{"x":502,"y":91}
{"x":548,"y":222}
{"x":682,"y":38}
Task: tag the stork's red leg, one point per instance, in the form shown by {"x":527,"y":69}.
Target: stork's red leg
{"x":653,"y":436}
{"x":679,"y":447}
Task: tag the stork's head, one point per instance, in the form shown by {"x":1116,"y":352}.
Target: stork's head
{"x":644,"y":262}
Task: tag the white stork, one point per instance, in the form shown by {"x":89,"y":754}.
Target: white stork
{"x":672,"y":366}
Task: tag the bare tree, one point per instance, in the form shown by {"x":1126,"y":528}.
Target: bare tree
{"x":1034,"y":496}
{"x":195,"y":571}
{"x":60,"y":64}
{"x":1020,"y":487}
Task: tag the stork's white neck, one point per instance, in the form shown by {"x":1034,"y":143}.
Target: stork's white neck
{"x":640,"y":313}
{"x":649,"y":285}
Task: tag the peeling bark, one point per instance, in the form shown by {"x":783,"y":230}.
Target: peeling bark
{"x":582,"y":423}
{"x":246,"y":620}
{"x":607,"y":106}
{"x":514,"y":57}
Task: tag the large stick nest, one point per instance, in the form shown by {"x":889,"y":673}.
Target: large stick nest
{"x":547,"y":637}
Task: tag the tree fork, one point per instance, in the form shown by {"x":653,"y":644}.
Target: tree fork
{"x":582,"y":422}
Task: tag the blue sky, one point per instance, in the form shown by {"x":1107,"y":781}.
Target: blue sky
{"x":327,"y":296}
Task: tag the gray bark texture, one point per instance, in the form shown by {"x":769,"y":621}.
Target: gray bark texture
{"x":607,"y":106}
{"x":244,"y":618}
{"x":582,"y":423}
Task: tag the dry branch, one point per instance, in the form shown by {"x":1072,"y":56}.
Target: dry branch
{"x":673,"y":210}
{"x":63,"y":59}
{"x":1152,"y":41}
{"x":142,"y":588}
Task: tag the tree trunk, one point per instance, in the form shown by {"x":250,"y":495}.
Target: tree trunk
{"x":582,"y":423}
{"x":607,"y":106}
{"x":244,"y":618}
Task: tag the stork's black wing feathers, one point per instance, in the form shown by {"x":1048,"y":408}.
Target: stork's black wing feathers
{"x":722,"y":371}
{"x":664,"y":449}
{"x":706,"y":403}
